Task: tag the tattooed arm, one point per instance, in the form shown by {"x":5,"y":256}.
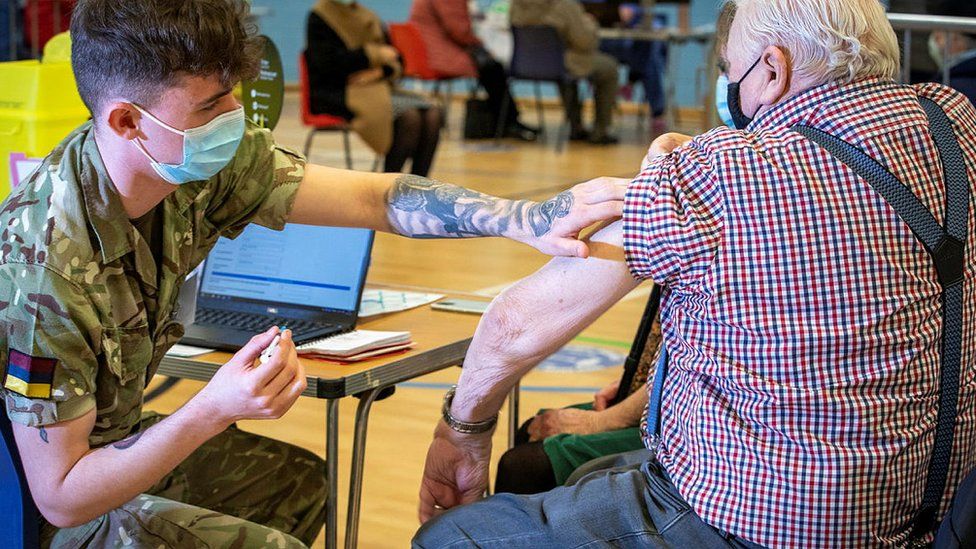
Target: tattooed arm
{"x":419,"y":207}
{"x":424,"y":208}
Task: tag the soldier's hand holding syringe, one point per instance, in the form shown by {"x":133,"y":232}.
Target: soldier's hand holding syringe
{"x":249,"y":388}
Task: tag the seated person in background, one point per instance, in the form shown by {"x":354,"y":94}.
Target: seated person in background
{"x":552,"y":445}
{"x":578,"y":31}
{"x":352,"y":72}
{"x":455,"y":51}
{"x":645,"y":61}
{"x":962,"y":49}
{"x":802,"y":319}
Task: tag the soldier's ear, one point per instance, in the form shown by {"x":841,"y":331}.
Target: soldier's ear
{"x":122,"y":119}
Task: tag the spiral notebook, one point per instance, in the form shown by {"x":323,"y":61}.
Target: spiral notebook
{"x":356,"y":345}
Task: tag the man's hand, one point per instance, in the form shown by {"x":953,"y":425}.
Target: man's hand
{"x":456,"y":471}
{"x":602,"y":398}
{"x":663,"y":145}
{"x":554,"y":225}
{"x":572,"y":421}
{"x":242,"y":389}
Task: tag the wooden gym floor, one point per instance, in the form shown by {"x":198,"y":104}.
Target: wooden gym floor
{"x":400,"y":427}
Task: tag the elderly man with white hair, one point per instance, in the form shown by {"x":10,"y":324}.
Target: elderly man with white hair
{"x":818,"y":302}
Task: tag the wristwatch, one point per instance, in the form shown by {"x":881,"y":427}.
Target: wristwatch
{"x":465,"y":427}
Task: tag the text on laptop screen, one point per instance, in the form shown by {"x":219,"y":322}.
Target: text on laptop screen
{"x":301,"y":265}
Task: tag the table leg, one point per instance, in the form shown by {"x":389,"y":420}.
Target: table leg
{"x":513,"y":414}
{"x":358,"y":461}
{"x":332,"y":473}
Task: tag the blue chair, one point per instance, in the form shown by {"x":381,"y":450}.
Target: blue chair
{"x":538,"y":55}
{"x":18,"y":514}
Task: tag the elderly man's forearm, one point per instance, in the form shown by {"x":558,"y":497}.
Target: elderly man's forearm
{"x":419,"y":207}
{"x":503,"y":350}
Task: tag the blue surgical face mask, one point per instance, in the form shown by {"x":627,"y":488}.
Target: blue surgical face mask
{"x":722,"y":100}
{"x":207,"y":149}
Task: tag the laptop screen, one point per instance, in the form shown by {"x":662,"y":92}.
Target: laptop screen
{"x":304,"y":265}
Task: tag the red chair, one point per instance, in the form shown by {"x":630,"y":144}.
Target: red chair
{"x":319,"y":122}
{"x":408,"y":40}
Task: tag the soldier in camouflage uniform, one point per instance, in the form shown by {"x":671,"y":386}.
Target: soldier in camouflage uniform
{"x":96,"y":243}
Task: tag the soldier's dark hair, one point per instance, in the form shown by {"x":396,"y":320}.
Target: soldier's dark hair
{"x":135,"y":49}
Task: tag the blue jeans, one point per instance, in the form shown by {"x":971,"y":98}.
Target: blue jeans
{"x":646,"y":62}
{"x":630,"y":506}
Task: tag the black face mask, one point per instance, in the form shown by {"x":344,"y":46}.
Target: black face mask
{"x":739,"y":118}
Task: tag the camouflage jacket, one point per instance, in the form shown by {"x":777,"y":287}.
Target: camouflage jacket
{"x":79,"y":286}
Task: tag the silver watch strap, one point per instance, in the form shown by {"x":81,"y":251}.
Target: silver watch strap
{"x":465,"y":427}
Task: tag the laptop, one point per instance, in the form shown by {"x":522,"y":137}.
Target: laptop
{"x":305,"y":278}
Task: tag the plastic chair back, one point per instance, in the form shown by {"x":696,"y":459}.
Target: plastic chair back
{"x":958,"y":528}
{"x":305,"y":101}
{"x":538,"y":53}
{"x":406,"y":38}
{"x":18,"y":515}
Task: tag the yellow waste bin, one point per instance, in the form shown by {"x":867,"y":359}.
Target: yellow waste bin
{"x":39,"y":106}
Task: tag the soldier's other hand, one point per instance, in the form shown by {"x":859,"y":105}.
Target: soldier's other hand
{"x":243,"y":389}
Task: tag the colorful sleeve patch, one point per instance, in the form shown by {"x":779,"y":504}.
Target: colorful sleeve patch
{"x":29,"y":376}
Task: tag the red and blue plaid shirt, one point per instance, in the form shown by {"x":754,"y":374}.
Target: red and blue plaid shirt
{"x":802,"y":319}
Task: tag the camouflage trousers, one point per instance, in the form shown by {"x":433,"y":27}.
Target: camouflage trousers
{"x":239,"y":490}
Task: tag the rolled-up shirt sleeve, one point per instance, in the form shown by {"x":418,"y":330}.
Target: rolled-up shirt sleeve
{"x":673,"y":218}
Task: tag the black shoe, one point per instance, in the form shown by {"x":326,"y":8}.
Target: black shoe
{"x":518,"y":131}
{"x":526,"y":127}
{"x":605,"y":139}
{"x":579,"y":135}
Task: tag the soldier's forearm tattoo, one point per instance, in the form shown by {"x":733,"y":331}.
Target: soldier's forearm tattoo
{"x":43,"y":432}
{"x":127,"y":442}
{"x":423,"y":208}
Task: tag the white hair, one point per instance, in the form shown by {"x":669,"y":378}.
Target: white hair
{"x":826,"y":40}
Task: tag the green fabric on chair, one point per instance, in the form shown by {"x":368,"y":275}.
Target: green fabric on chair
{"x":566,"y":452}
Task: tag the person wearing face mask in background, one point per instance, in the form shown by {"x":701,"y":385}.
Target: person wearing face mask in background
{"x":962,"y":49}
{"x":98,"y":241}
{"x":798,"y":400}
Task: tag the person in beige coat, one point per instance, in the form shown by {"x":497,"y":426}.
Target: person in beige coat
{"x":578,"y":31}
{"x":352,"y":73}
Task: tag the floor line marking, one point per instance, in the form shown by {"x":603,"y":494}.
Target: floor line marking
{"x":523,"y":388}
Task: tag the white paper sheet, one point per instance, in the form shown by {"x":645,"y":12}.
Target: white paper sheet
{"x":187,"y":351}
{"x":378,"y":302}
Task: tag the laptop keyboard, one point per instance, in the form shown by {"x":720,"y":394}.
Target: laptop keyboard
{"x":256,"y":323}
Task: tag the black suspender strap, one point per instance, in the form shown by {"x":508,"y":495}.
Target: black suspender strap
{"x":947,"y":246}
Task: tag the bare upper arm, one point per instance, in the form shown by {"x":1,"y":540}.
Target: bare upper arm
{"x":50,"y":452}
{"x":548,"y":308}
{"x":341,"y":198}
